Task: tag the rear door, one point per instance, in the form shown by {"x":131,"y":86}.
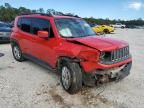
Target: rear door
{"x":23,"y":33}
{"x":28,"y":41}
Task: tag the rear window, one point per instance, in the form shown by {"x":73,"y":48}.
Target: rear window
{"x":19,"y":23}
{"x":24,"y":24}
{"x":4,"y":25}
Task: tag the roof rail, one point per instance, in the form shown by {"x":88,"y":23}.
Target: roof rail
{"x":44,"y":14}
{"x":71,"y":15}
{"x":50,"y":14}
{"x":62,"y":14}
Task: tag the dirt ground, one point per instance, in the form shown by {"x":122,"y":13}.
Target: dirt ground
{"x":28,"y":85}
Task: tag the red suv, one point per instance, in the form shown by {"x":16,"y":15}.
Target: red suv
{"x":68,"y":45}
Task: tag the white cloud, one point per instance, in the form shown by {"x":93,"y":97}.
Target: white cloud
{"x":136,"y":5}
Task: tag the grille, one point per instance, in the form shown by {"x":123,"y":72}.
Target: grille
{"x":4,"y":38}
{"x":116,"y":56}
{"x":119,"y":54}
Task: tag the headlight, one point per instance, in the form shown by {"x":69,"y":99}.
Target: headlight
{"x":89,"y":56}
{"x":102,"y":55}
{"x":105,"y":56}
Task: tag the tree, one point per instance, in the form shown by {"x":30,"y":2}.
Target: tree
{"x":34,"y":11}
{"x":7,"y":5}
{"x":41,"y":10}
{"x":8,"y":14}
{"x":23,"y":10}
{"x":51,"y":11}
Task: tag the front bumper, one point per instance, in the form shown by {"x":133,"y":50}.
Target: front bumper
{"x":4,"y":36}
{"x":90,"y":67}
{"x":112,"y":30}
{"x":102,"y":76}
{"x":4,"y":39}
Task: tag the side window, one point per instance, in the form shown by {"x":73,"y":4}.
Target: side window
{"x":25,"y":24}
{"x":40,"y":24}
{"x":19,"y":23}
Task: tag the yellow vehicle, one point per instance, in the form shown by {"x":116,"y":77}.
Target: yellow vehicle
{"x":103,"y":29}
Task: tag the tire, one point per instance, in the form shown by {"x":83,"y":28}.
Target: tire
{"x":71,"y":77}
{"x":122,"y":27}
{"x":17,"y":53}
{"x":106,"y":31}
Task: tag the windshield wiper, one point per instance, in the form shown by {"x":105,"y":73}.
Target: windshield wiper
{"x":78,"y":36}
{"x":68,"y":37}
{"x":87,"y":35}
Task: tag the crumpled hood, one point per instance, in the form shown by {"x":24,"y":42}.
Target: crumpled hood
{"x":100,"y":43}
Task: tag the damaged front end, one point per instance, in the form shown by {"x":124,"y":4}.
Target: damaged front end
{"x":102,"y":76}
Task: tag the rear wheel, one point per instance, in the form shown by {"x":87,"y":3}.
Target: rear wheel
{"x":17,"y":53}
{"x":71,"y":77}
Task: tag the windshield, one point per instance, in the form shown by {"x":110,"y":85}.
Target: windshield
{"x":73,"y":28}
{"x":4,"y":25}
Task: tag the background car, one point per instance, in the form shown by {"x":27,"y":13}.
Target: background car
{"x":5,"y":30}
{"x":119,"y":25}
{"x":103,"y":29}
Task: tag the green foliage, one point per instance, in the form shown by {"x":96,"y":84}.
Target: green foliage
{"x":138,"y":22}
{"x":8,"y":14}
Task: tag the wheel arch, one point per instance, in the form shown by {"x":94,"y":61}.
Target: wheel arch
{"x":76,"y":74}
{"x":14,"y":42}
{"x":62,"y":59}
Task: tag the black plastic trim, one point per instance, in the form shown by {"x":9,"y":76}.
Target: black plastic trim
{"x":38,"y":61}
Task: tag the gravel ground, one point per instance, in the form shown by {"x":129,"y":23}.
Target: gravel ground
{"x":28,"y":85}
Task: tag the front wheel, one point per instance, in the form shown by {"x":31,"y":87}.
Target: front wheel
{"x":71,"y":77}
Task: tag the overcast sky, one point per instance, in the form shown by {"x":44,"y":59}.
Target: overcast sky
{"x":112,"y":9}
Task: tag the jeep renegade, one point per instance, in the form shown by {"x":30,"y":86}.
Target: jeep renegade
{"x":68,"y":45}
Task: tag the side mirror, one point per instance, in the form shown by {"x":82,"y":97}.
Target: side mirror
{"x":43,"y":34}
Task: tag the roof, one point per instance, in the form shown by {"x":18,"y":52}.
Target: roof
{"x":65,"y":17}
{"x":50,"y":15}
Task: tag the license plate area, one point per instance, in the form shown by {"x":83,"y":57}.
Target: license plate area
{"x":114,"y":71}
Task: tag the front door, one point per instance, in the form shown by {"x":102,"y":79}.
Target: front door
{"x":43,"y":49}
